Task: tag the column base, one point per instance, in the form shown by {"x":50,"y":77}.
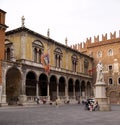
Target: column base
{"x":103,"y":103}
{"x":48,"y":98}
{"x":22,"y":100}
{"x":105,"y":107}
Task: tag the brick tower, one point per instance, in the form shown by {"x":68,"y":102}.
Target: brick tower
{"x":2,"y":40}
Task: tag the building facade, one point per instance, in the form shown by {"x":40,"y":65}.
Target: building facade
{"x":107,"y":51}
{"x":24,"y":76}
{"x":2,"y":39}
{"x":2,"y":45}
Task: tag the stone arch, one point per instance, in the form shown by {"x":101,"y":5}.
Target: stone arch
{"x":38,"y":43}
{"x":31,"y":82}
{"x":53,"y":87}
{"x":70,"y":87}
{"x":58,"y":51}
{"x":13,"y":85}
{"x":43,"y":82}
{"x":62,"y":85}
{"x":38,"y":49}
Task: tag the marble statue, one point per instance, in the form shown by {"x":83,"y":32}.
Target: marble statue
{"x":23,"y":21}
{"x":99,"y":68}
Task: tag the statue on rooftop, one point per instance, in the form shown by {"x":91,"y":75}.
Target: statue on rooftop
{"x":23,"y":21}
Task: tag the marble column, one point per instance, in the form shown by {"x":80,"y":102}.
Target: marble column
{"x":38,"y":55}
{"x":57,"y":90}
{"x":23,"y":98}
{"x":66,"y":91}
{"x":74,"y":91}
{"x":37,"y":89}
{"x":48,"y":91}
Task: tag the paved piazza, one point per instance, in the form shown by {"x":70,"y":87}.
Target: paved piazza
{"x":64,"y":115}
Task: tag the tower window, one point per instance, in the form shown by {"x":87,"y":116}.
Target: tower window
{"x":110,"y":81}
{"x":99,"y":54}
{"x":110,"y":67}
{"x":119,"y":81}
{"x":110,"y":52}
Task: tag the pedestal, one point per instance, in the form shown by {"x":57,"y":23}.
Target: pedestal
{"x":22,"y":100}
{"x":100,"y":96}
{"x":48,"y":98}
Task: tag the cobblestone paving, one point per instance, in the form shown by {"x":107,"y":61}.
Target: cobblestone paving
{"x":62,"y":115}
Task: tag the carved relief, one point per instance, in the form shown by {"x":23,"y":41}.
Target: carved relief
{"x":113,"y":88}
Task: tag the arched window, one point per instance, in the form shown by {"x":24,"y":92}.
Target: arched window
{"x":35,"y":54}
{"x":58,"y":57}
{"x":38,"y":49}
{"x":99,"y":54}
{"x":110,"y":52}
{"x":9,"y":50}
{"x":39,"y":55}
{"x":8,"y":54}
{"x":118,"y":80}
{"x":86,"y":65}
{"x":110,"y":81}
{"x":74,"y":63}
{"x":110,"y":68}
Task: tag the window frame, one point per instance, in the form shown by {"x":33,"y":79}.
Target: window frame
{"x":110,"y":78}
{"x":37,"y":45}
{"x":110,"y":52}
{"x":99,"y":53}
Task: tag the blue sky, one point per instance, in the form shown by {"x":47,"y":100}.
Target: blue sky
{"x":74,"y":19}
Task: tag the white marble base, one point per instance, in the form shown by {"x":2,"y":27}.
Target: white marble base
{"x":100,"y":96}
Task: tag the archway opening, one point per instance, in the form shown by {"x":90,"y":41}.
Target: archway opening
{"x":89,"y":90}
{"x":43,"y":81}
{"x":62,"y":86}
{"x":13,"y":85}
{"x":70,"y":87}
{"x":83,"y":89}
{"x":53,"y":88}
{"x":77,"y":89}
{"x":31,"y":84}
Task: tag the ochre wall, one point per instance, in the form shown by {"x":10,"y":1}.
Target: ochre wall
{"x":48,"y":47}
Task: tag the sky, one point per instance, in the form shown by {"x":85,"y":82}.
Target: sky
{"x":74,"y":19}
